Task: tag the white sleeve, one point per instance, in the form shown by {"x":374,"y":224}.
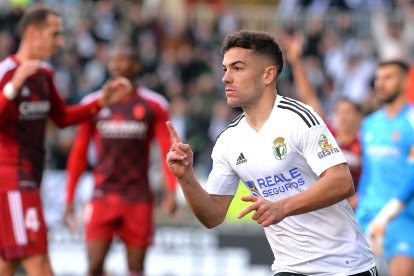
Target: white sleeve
{"x":320,"y":149}
{"x":222,"y":179}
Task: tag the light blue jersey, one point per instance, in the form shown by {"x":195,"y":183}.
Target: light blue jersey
{"x":388,"y":172}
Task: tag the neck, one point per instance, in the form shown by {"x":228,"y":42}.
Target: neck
{"x":256,"y":115}
{"x":24,"y":53}
{"x":395,"y":107}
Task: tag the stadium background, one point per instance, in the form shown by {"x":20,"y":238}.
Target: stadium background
{"x":179,"y":43}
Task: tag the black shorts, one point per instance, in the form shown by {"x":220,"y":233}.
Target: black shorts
{"x":372,"y":272}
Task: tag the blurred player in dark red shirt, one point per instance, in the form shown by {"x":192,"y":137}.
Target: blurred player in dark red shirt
{"x":28,"y":97}
{"x":122,"y":200}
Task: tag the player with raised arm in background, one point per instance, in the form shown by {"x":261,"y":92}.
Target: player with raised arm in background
{"x":28,"y":97}
{"x":287,"y":157}
{"x":386,"y":190}
{"x":122,"y":200}
{"x":347,"y":114}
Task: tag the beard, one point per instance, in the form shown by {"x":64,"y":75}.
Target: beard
{"x":391,"y":98}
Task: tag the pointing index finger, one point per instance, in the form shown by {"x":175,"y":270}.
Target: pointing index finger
{"x":173,"y":133}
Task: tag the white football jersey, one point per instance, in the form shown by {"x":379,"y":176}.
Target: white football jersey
{"x":284,"y":158}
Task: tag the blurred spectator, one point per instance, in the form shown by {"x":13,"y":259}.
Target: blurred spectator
{"x":178,"y":43}
{"x":394,"y":36}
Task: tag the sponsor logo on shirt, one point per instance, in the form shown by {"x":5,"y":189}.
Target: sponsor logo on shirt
{"x":276,"y":184}
{"x":279,"y":148}
{"x":395,"y":136}
{"x":252,"y":188}
{"x":29,"y":110}
{"x":122,"y":129}
{"x":327,"y":148}
{"x":241,"y":159}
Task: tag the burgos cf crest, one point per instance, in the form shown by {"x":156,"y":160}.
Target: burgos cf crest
{"x":279,"y":148}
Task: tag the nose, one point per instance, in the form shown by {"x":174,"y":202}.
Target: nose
{"x":226,"y":77}
{"x":60,"y":41}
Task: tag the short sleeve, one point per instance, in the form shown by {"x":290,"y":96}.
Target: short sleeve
{"x":320,"y":149}
{"x":222,"y":179}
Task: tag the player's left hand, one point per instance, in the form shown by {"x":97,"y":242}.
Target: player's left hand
{"x":375,"y":236}
{"x":114,"y":90}
{"x":266,"y":212}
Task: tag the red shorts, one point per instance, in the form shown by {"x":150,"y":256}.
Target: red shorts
{"x":23,"y":231}
{"x":132,"y":222}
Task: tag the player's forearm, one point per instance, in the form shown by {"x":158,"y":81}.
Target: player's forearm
{"x":76,"y":114}
{"x":331,"y":188}
{"x":203,"y":205}
{"x":304,"y":89}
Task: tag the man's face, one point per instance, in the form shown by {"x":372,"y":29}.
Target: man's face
{"x":48,"y":38}
{"x":120,"y":64}
{"x":389,"y":83}
{"x":243,"y":77}
{"x":347,"y":116}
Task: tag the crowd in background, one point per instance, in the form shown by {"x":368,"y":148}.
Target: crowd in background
{"x":179,"y":46}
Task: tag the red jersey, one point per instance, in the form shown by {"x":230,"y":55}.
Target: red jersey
{"x":22,"y":125}
{"x":122,"y":134}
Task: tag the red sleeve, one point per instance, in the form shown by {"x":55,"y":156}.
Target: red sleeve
{"x":4,"y":102}
{"x":63,"y":115}
{"x":77,"y":160}
{"x":164,"y":142}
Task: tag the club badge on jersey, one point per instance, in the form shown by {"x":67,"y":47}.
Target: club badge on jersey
{"x":279,"y":148}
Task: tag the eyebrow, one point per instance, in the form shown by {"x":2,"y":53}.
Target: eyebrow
{"x":236,"y":62}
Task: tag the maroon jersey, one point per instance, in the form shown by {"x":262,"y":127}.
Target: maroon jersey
{"x":352,"y":152}
{"x":22,"y":125}
{"x":122,"y":134}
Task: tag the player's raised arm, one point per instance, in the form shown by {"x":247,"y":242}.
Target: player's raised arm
{"x":209,"y":209}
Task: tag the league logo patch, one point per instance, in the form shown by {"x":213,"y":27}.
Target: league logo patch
{"x":252,"y":188}
{"x":324,"y":143}
{"x":326,"y":147}
{"x":279,"y":148}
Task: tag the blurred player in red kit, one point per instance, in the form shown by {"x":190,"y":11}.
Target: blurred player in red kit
{"x":28,"y":97}
{"x":122,"y":200}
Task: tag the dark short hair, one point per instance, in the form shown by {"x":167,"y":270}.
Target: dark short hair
{"x":35,"y":16}
{"x":358,"y":107}
{"x":261,"y":43}
{"x":128,"y":49}
{"x":396,"y":62}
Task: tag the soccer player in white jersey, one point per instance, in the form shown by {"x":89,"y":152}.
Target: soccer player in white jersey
{"x":284,"y":153}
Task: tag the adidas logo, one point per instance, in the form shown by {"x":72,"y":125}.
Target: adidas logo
{"x":241,"y":159}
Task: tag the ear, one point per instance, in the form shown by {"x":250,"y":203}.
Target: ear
{"x":270,"y":74}
{"x":31,"y":32}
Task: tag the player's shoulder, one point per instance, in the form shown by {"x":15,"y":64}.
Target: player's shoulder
{"x":232,"y":127}
{"x":295,"y":113}
{"x":374,"y":117}
{"x":410,"y":115}
{"x":6,"y":65}
{"x":153,"y":97}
